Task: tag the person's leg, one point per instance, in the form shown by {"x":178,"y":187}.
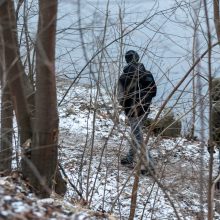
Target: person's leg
{"x":136,"y":133}
{"x":137,"y":128}
{"x":136,"y":124}
{"x":136,"y":139}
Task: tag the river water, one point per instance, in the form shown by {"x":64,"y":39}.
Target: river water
{"x":161,"y":31}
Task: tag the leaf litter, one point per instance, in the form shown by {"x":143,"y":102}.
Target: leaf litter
{"x":93,"y":137}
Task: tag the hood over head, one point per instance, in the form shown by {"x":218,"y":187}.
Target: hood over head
{"x":131,"y":56}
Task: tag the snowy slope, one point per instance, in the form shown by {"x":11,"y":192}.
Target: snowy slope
{"x":91,"y":146}
{"x":90,"y":150}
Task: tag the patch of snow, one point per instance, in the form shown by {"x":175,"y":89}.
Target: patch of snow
{"x":91,"y":145}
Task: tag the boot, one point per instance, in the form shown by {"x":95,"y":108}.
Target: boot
{"x":151,"y":167}
{"x":127,"y":160}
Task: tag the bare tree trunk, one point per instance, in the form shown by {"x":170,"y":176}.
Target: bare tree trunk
{"x":216,"y":18}
{"x":6,"y":131}
{"x":6,"y":117}
{"x":211,"y":159}
{"x":15,"y":75}
{"x":135,"y":192}
{"x":216,"y":190}
{"x":14,"y":71}
{"x":23,"y":96}
{"x":45,"y":139}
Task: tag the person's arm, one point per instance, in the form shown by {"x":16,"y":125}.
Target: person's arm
{"x":148,"y":82}
{"x":120,"y":96}
{"x":153,"y":86}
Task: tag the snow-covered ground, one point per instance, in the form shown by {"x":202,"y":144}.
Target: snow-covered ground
{"x":94,"y":136}
{"x":94,"y":133}
{"x":17,"y":202}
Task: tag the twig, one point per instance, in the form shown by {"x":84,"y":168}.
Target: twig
{"x":74,"y":187}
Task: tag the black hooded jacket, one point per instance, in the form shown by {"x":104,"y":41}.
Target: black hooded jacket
{"x":138,"y":88}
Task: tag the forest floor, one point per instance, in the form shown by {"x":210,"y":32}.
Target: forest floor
{"x":93,"y":138}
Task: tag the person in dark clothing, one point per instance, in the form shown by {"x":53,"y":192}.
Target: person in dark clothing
{"x":136,"y":88}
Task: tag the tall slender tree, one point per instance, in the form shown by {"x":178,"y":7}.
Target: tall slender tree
{"x":216,"y":18}
{"x":38,"y":128}
{"x":45,"y":139}
{"x":14,"y":72}
{"x":6,"y":117}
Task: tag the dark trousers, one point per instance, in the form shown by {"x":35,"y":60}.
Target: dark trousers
{"x":137,"y":124}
